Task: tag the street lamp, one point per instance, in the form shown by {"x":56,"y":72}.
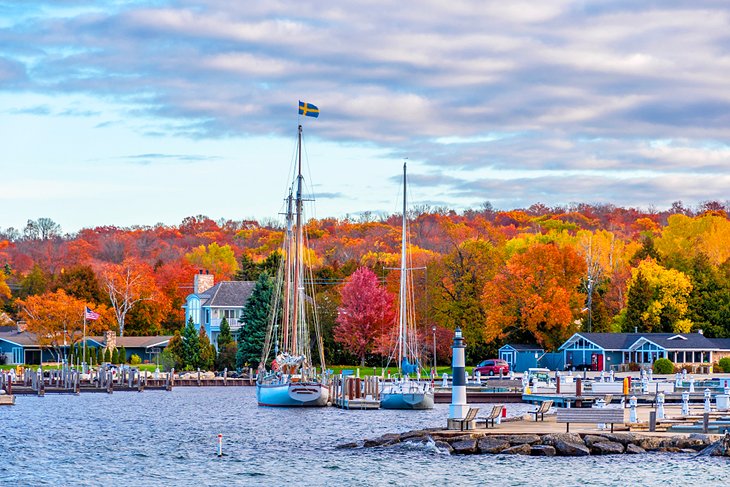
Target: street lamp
{"x":434,"y":351}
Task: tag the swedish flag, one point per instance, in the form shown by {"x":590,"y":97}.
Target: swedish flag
{"x":308,"y":110}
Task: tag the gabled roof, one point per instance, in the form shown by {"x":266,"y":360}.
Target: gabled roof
{"x":227,"y":294}
{"x":522,"y":347}
{"x":722,"y":343}
{"x":624,"y":341}
{"x":137,"y":342}
{"x":24,"y":339}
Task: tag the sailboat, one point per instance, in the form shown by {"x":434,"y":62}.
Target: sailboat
{"x":406,"y":393}
{"x":292,"y":380}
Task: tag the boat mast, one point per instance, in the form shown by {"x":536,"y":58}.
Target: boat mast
{"x":287,"y":272}
{"x":402,"y":351}
{"x":297,"y":249}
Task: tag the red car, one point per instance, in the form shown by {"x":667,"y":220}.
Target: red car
{"x":492,"y":367}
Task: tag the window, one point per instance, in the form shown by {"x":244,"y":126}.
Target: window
{"x":231,"y":315}
{"x":194,"y":310}
{"x":207,"y":316}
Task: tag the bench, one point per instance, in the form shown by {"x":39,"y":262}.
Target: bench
{"x":590,"y":415}
{"x":494,"y":414}
{"x":544,"y":407}
{"x":470,"y":415}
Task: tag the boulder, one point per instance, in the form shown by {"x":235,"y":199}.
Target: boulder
{"x":589,"y":440}
{"x":519,"y":439}
{"x":683,"y":443}
{"x":386,"y":439}
{"x":462,"y":447}
{"x":649,"y":443}
{"x":607,"y":448}
{"x":623,"y":438}
{"x":552,"y":438}
{"x":523,"y":449}
{"x":413,"y":434}
{"x":570,"y":448}
{"x":634,"y":449}
{"x":542,"y":451}
{"x":492,"y":445}
{"x":443,"y":445}
{"x":348,"y":446}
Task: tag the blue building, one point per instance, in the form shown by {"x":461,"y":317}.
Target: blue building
{"x":210,"y":303}
{"x":521,"y":357}
{"x":606,"y":351}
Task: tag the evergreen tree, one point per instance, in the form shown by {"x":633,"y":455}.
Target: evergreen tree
{"x":255,"y":318}
{"x":206,"y":354}
{"x":224,"y":337}
{"x":99,"y":356}
{"x":248,"y":270}
{"x":122,"y":355}
{"x":190,"y":346}
{"x":226,"y":358}
{"x":115,"y":356}
{"x":175,"y":350}
{"x":639,"y":298}
{"x":108,"y":355}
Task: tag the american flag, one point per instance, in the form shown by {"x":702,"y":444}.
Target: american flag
{"x":90,"y":315}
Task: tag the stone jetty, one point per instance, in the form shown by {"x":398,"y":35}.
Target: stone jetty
{"x":553,"y":444}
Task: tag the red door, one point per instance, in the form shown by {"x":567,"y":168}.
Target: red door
{"x":600,"y":362}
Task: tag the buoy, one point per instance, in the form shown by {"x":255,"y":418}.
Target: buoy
{"x":220,"y":445}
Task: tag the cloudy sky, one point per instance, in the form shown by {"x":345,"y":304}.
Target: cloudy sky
{"x":138,"y":112}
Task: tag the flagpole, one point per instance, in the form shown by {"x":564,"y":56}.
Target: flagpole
{"x":84,"y":342}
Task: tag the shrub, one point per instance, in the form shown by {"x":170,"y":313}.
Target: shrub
{"x":663,"y":366}
{"x":724,"y":364}
{"x":134,"y":359}
{"x":634,"y":367}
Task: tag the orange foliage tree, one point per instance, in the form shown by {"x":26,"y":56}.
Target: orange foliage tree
{"x":535,"y":298}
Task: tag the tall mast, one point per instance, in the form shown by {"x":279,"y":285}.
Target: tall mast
{"x":287,"y":277}
{"x":403,"y":285}
{"x":297,"y":248}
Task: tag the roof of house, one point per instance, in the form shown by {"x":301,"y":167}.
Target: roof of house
{"x":623,"y":341}
{"x":227,"y":294}
{"x":5,"y":329}
{"x":523,"y":347}
{"x":136,"y":342}
{"x":23,"y":339}
{"x":722,"y":343}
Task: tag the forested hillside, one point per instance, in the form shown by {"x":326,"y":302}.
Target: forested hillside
{"x":530,"y":275}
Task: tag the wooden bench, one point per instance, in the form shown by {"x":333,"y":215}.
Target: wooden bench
{"x":470,"y":415}
{"x":590,"y":415}
{"x":494,"y":414}
{"x":544,"y":407}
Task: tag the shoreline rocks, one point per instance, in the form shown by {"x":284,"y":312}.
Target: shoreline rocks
{"x":554,"y":444}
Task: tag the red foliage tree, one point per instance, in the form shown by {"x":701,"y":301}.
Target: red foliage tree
{"x":366,"y":313}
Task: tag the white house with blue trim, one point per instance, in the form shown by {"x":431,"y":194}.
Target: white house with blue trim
{"x":209,"y":303}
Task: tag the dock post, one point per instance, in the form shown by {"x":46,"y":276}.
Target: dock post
{"x":685,"y":403}
{"x":41,"y":383}
{"x":660,"y":405}
{"x":458,"y":407}
{"x":77,"y":383}
{"x":198,"y":376}
{"x":632,"y":414}
{"x":652,"y":421}
{"x":705,"y":422}
{"x":225,"y":376}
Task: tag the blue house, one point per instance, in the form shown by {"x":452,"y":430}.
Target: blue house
{"x":521,"y":357}
{"x":605,"y":351}
{"x":210,"y":303}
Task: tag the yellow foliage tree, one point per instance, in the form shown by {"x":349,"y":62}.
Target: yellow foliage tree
{"x":685,"y":237}
{"x":220,"y":260}
{"x":670,"y":288}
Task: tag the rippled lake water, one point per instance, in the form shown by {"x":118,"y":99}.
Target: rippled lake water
{"x":161,"y":438}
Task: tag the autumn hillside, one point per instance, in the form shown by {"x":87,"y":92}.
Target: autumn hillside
{"x":531,"y":275}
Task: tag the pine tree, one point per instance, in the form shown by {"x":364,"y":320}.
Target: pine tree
{"x":190,"y":346}
{"x":122,"y":355}
{"x":639,"y":299}
{"x":175,"y":348}
{"x":206,"y":353}
{"x":115,"y":356}
{"x":224,"y":337}
{"x":255,"y":317}
{"x":108,"y":355}
{"x":99,"y":356}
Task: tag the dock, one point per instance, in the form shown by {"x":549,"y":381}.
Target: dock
{"x":7,"y":399}
{"x":355,"y":393}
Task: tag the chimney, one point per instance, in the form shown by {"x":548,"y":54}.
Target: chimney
{"x":202,"y":282}
{"x":22,"y":326}
{"x":110,"y":339}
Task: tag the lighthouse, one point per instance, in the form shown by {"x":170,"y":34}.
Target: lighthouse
{"x":458,"y":408}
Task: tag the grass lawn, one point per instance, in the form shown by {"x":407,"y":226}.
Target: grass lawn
{"x":392,"y":370}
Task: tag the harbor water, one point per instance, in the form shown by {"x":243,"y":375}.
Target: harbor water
{"x":171,"y":438}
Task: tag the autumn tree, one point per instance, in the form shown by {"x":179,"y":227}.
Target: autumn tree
{"x":457,"y":293}
{"x":535,"y":298}
{"x":57,"y":319}
{"x":252,"y":334}
{"x":365,"y":315}
{"x":127,"y":284}
{"x":220,"y":260}
{"x":80,"y":281}
{"x":662,"y":304}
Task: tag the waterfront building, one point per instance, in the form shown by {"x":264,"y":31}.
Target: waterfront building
{"x":520,"y":356}
{"x":606,"y":351}
{"x":209,"y":303}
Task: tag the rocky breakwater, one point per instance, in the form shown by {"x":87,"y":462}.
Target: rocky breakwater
{"x":552,"y":444}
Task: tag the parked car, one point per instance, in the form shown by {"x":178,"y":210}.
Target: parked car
{"x":492,"y":367}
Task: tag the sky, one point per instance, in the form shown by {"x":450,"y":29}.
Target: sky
{"x":143,"y":112}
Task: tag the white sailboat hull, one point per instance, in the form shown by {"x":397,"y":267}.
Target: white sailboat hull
{"x":292,"y":394}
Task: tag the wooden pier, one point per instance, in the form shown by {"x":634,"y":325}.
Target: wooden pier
{"x":355,"y":393}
